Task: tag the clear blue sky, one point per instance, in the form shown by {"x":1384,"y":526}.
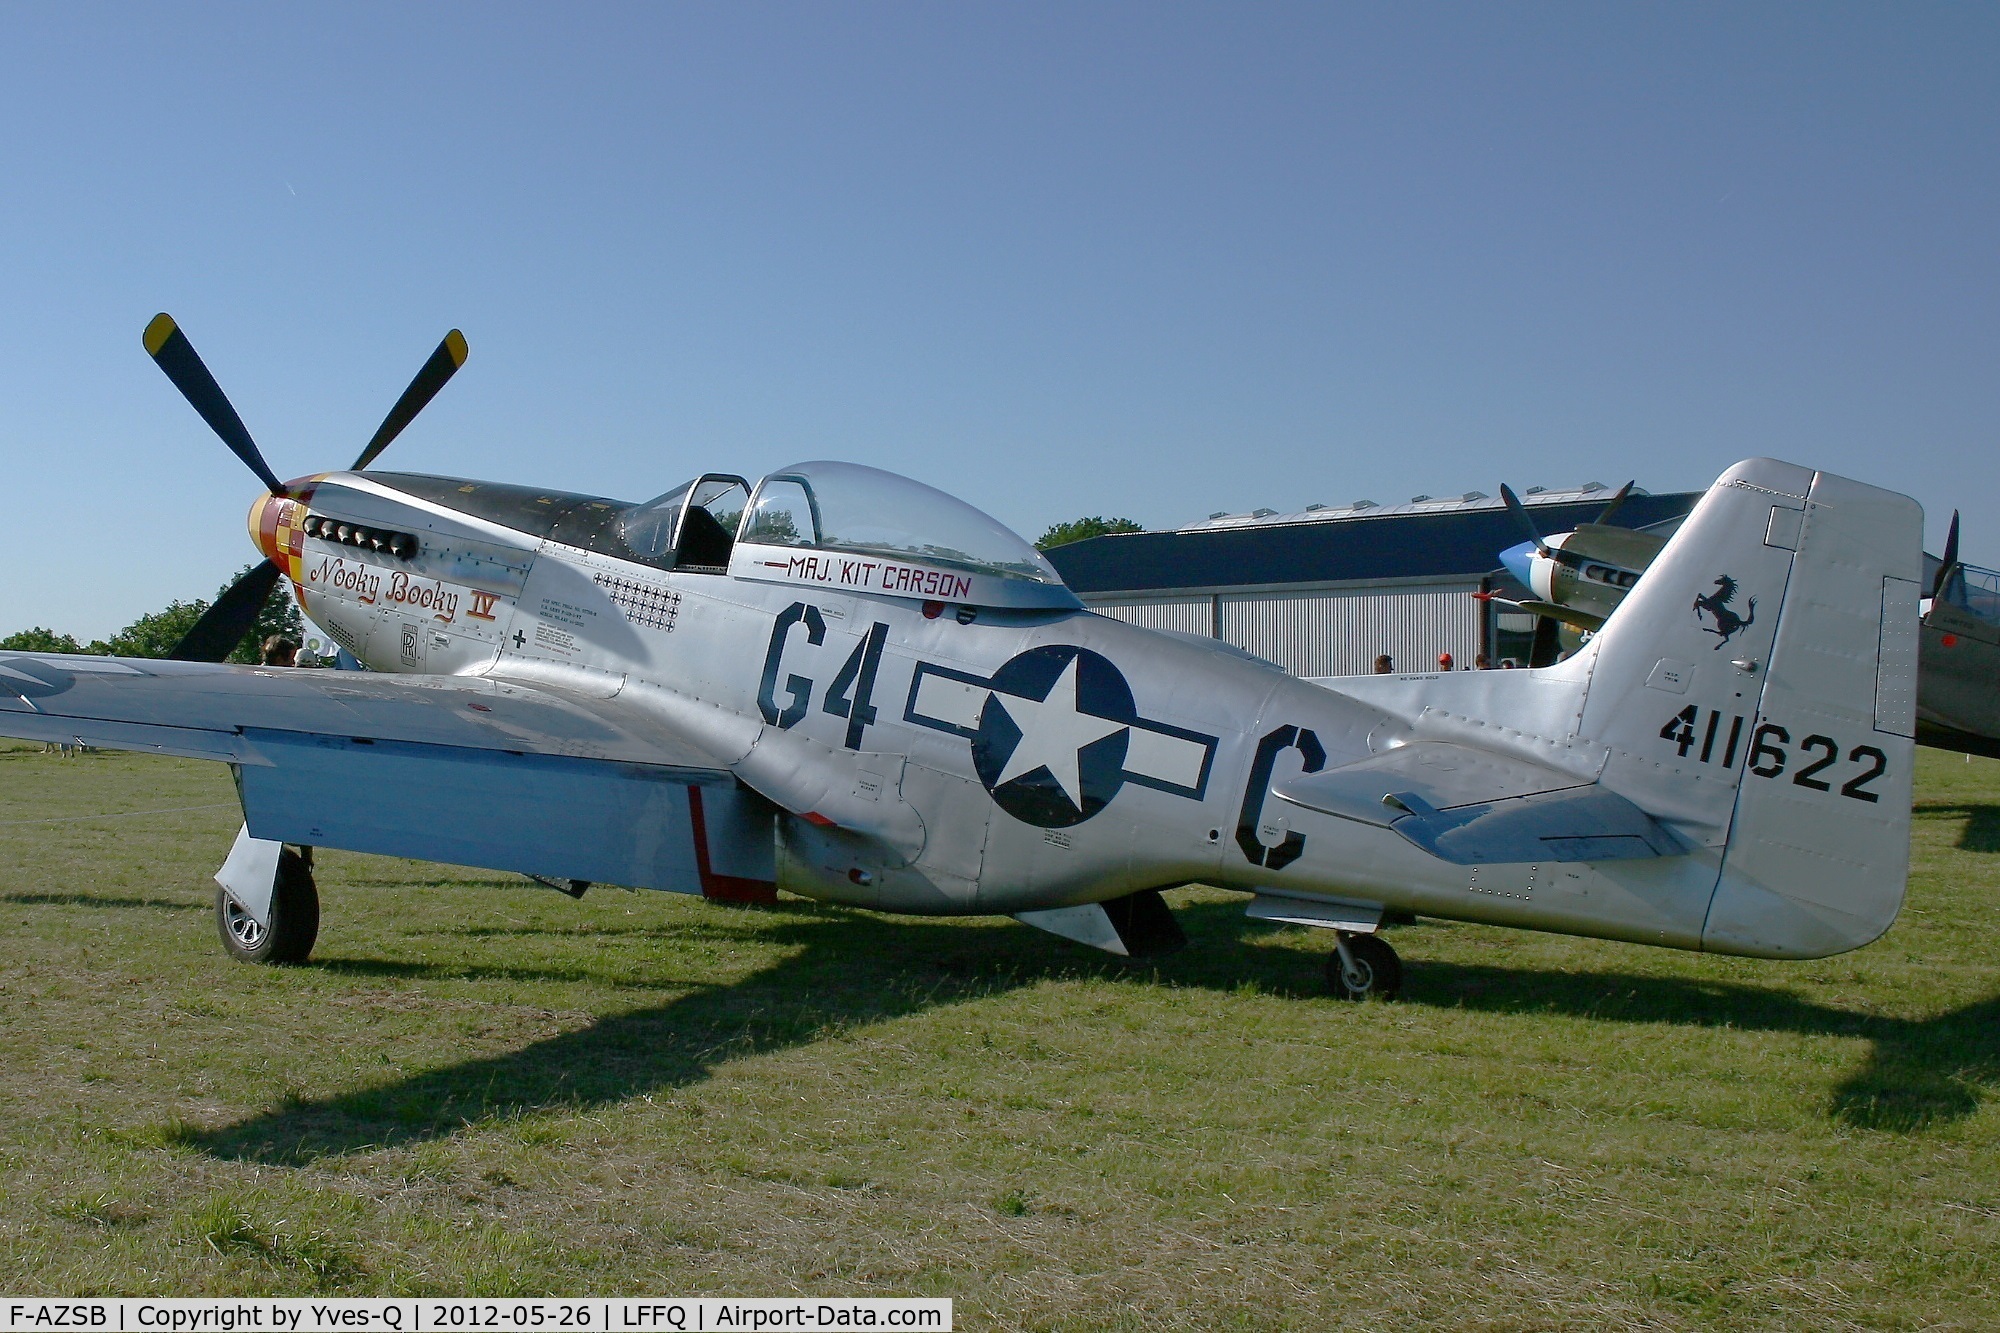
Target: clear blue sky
{"x":1144,"y":260}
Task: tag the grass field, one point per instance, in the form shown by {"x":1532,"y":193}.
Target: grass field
{"x":481,"y":1086}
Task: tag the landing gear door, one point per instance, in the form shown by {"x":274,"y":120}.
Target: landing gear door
{"x":956,"y":814}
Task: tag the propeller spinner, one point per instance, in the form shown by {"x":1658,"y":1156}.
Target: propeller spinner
{"x":225,"y":623}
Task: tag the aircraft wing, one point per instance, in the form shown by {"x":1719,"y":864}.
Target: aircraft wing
{"x":507,"y":775}
{"x":1474,"y":807}
{"x":206,"y":710}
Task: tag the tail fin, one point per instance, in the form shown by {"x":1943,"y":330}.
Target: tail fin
{"x":1758,"y":688}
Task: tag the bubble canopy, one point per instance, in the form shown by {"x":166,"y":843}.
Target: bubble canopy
{"x":889,"y":521}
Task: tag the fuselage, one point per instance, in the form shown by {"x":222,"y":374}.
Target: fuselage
{"x":930,"y":753}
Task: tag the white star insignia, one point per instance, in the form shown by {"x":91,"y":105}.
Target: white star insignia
{"x":1052,"y":732}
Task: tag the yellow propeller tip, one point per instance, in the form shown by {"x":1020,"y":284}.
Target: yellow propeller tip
{"x":157,"y":332}
{"x":454,"y":343}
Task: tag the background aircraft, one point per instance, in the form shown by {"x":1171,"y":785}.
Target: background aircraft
{"x":846,"y":684}
{"x":1578,"y":578}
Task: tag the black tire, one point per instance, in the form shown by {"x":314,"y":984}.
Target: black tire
{"x":1380,"y":971}
{"x":294,"y":917}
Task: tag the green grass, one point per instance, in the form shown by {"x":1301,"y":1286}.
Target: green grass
{"x":481,"y":1086}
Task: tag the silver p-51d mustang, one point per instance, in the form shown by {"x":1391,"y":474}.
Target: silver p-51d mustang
{"x":844,"y":684}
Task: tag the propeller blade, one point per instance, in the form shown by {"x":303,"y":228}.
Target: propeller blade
{"x":1547,"y":646}
{"x":444,"y":363}
{"x":1520,"y":513}
{"x":1950,"y":560}
{"x":1616,"y":501}
{"x":223,"y":625}
{"x":175,"y":355}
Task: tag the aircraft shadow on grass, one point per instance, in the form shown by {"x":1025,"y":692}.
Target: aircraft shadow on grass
{"x":1982,"y":824}
{"x":100,"y":902}
{"x":854,"y":970}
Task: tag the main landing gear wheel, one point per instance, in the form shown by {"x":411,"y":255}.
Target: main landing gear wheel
{"x":294,"y":916}
{"x":1363,"y":967}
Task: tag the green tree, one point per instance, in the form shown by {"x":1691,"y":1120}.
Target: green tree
{"x":153,"y":634}
{"x":39,"y":640}
{"x":1078,"y":529}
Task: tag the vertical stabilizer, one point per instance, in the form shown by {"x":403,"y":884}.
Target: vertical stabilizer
{"x":1820,"y":851}
{"x":1757,"y":689}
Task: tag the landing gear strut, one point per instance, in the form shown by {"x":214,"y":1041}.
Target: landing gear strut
{"x":1363,"y":966}
{"x":294,"y":915}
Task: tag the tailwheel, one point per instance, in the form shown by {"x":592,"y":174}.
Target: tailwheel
{"x":1363,"y":967}
{"x":294,"y":922}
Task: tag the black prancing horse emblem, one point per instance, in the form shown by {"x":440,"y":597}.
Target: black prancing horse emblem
{"x":1716,"y":604}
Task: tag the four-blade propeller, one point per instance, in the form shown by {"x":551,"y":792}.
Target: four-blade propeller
{"x":224,"y":624}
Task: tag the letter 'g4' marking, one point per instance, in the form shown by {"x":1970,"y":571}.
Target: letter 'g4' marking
{"x":1312,"y":757}
{"x":799,"y":687}
{"x":858,"y":675}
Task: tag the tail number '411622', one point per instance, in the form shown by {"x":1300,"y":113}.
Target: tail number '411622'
{"x":1770,"y":753}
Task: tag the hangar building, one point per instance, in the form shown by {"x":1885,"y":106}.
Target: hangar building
{"x":1322,"y":591}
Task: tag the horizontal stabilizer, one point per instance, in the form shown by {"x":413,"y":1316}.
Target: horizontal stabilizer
{"x":1585,"y":824}
{"x":1471,"y":807}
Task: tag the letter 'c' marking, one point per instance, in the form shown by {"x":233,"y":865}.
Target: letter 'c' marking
{"x":1312,"y":757}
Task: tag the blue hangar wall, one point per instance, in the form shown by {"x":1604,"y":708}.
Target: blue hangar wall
{"x":1322,"y":591}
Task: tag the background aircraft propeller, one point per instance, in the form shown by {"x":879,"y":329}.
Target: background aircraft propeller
{"x":1616,"y":501}
{"x":1519,"y":512}
{"x":224,"y":624}
{"x":1950,"y":560}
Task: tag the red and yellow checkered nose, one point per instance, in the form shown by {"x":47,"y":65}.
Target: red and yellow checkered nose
{"x":264,"y":524}
{"x":277,"y":528}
